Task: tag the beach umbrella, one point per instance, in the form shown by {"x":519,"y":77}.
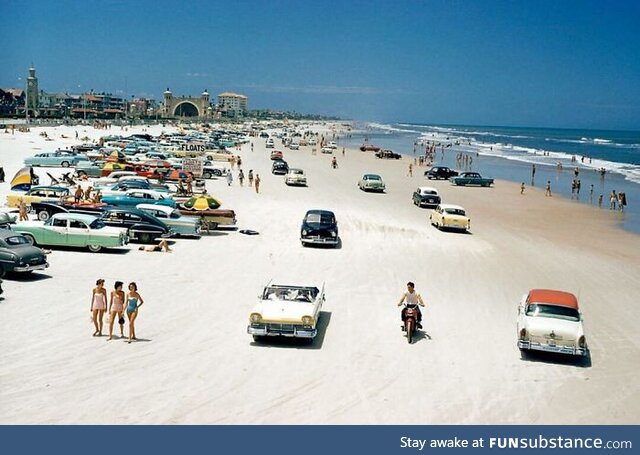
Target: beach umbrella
{"x":202,"y":202}
{"x":22,"y":181}
{"x":117,"y":156}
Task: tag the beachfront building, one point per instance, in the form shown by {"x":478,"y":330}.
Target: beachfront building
{"x":32,"y":92}
{"x":232,"y":104}
{"x":186,"y":106}
{"x":11,"y":99}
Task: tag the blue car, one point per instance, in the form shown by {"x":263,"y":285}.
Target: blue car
{"x":131,"y":198}
{"x":58,"y":158}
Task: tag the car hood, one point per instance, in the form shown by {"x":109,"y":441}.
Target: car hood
{"x":283,"y":310}
{"x":563,"y":330}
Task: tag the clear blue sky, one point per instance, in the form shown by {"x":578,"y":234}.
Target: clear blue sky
{"x":556,"y":63}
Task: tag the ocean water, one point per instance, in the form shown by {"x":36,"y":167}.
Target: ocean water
{"x":508,"y":153}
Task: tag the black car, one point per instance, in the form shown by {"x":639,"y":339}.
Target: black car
{"x":319,"y":227}
{"x":440,"y":172}
{"x":388,"y":154}
{"x":279,"y":167}
{"x":17,"y":254}
{"x":426,"y":197}
{"x":45,"y":210}
{"x":140,"y":225}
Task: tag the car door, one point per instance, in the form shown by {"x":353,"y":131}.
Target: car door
{"x":56,"y":232}
{"x":78,"y":233}
{"x":320,"y":302}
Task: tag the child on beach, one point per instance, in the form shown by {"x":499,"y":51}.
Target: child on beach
{"x":410,"y":173}
{"x":547,"y":191}
{"x":116,"y":307}
{"x":600,"y":198}
{"x":522,"y":188}
{"x":134,"y":302}
{"x":229,"y":178}
{"x":22,"y":211}
{"x":257,"y":183}
{"x":98,"y":306}
{"x":250,"y":177}
{"x":241,"y":177}
{"x":613,"y":199}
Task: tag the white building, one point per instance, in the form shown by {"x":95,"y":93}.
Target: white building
{"x":232,"y":104}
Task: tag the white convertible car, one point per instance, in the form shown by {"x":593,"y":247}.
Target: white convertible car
{"x":290,"y":311}
{"x":295,"y":177}
{"x":551,"y":321}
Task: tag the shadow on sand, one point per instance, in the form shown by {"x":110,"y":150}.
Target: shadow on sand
{"x":558,"y":359}
{"x":298,"y":343}
{"x":26,"y":277}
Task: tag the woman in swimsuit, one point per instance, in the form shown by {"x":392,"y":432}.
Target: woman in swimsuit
{"x":98,"y":306}
{"x":134,"y":301}
{"x":116,"y":307}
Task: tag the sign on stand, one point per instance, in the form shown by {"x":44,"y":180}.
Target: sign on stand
{"x":193,"y":146}
{"x":193,"y":165}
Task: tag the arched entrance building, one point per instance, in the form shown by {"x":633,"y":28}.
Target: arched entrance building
{"x":186,"y":106}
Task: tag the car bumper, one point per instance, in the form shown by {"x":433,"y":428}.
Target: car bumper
{"x":320,"y":240}
{"x":560,"y":349}
{"x":455,"y":226}
{"x":427,"y":203}
{"x":283,"y":330}
{"x":31,"y":268}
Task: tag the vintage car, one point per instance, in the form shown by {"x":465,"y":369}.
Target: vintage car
{"x":99,"y":168}
{"x":388,"y":154}
{"x":270,"y":143}
{"x":37,"y":194}
{"x":179,"y":224}
{"x":319,"y":227}
{"x":369,"y":148}
{"x":550,"y":321}
{"x":17,"y":254}
{"x":279,"y":167}
{"x":290,"y":311}
{"x":450,"y":216}
{"x":326,"y":150}
{"x":73,"y":229}
{"x":211,"y":169}
{"x":113,"y":178}
{"x":54,"y":159}
{"x":470,"y":178}
{"x":426,"y":196}
{"x":276,"y":155}
{"x":206,"y":207}
{"x":295,"y":177}
{"x":294,"y":146}
{"x":440,"y":172}
{"x":175,"y":175}
{"x":138,"y":183}
{"x":133,"y":197}
{"x":371,"y":182}
{"x":139,"y":225}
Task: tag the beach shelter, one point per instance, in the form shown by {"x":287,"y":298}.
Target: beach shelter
{"x":116,"y":156}
{"x":202,"y":202}
{"x":23,"y":179}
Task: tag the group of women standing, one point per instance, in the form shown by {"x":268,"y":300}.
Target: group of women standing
{"x":117,"y":308}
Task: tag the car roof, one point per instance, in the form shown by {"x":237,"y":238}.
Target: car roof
{"x":48,"y":187}
{"x":158,"y":207}
{"x":451,"y":206}
{"x":320,"y":212}
{"x":553,"y":297}
{"x":371,"y":175}
{"x":75,"y":216}
{"x":295,"y":169}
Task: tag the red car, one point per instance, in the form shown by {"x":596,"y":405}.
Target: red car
{"x":369,"y":148}
{"x":276,"y":155}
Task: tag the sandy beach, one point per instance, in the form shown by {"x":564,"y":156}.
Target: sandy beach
{"x":195,"y":363}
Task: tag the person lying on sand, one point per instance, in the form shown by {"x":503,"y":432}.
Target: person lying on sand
{"x":159,"y":247}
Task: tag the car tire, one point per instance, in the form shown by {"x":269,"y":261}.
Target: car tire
{"x":206,"y":175}
{"x":81,"y":173}
{"x":94,"y":248}
{"x":258,"y":338}
{"x":145,"y":237}
{"x":217,"y":172}
{"x":64,"y":164}
{"x":43,"y":215}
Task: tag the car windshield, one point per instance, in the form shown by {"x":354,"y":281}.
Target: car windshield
{"x":290,"y":294}
{"x":97,"y":224}
{"x":451,"y":211}
{"x":16,"y":240}
{"x":320,"y":218}
{"x":552,"y":311}
{"x":425,"y":192}
{"x":372,"y":177}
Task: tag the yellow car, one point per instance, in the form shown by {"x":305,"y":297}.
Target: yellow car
{"x":450,"y":216}
{"x":38,"y":194}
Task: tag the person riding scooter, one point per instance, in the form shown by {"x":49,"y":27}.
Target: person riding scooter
{"x":413,"y":300}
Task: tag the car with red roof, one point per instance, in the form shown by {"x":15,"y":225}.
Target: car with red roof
{"x":551,"y":321}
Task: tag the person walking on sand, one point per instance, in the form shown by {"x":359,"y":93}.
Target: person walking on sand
{"x":98,"y":306}
{"x":134,"y":302}
{"x":547,"y":191}
{"x":522,"y":188}
{"x":257,"y":183}
{"x":410,"y":173}
{"x":229,"y":178}
{"x":591,"y":194}
{"x":533,"y":172}
{"x":600,"y":198}
{"x":116,"y":308}
{"x":241,"y":177}
{"x":22,"y":211}
{"x":250,"y":177}
{"x":342,"y":151}
{"x":334,"y":163}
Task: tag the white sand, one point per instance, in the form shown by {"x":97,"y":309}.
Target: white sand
{"x":196,"y":364}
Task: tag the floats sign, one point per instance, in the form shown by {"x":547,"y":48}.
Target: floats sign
{"x":198,"y":147}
